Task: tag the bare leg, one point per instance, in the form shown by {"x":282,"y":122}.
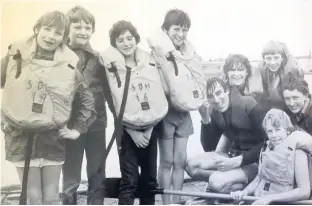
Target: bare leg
{"x":34,"y":191}
{"x":179,"y":161}
{"x":165,"y":165}
{"x":202,"y":166}
{"x":236,"y":179}
{"x":50,"y":184}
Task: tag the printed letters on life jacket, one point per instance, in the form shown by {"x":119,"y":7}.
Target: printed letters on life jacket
{"x":146,"y":102}
{"x":277,"y":164}
{"x":38,"y":93}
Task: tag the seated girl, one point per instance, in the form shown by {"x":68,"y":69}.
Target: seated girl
{"x":283,"y":173}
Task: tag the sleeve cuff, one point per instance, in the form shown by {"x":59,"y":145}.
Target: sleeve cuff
{"x":80,"y":127}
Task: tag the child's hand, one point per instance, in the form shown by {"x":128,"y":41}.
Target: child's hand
{"x":5,"y":127}
{"x":69,"y":133}
{"x":139,"y":138}
{"x":238,"y":195}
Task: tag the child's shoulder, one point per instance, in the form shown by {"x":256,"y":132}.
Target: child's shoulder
{"x":299,"y":135}
{"x":71,"y":56}
{"x":301,"y":140}
{"x":21,"y":44}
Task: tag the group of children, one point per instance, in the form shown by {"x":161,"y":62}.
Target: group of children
{"x":59,"y":78}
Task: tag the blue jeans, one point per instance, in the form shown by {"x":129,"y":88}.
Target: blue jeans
{"x":93,"y":143}
{"x":132,"y":183}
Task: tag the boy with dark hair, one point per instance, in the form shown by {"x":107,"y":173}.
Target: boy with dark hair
{"x":235,"y":123}
{"x":82,"y":26}
{"x":298,"y":101}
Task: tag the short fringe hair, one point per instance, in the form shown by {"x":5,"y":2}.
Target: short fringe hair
{"x":121,"y":27}
{"x":292,"y":82}
{"x":78,"y":13}
{"x":275,"y":47}
{"x":278,"y":118}
{"x":56,"y":19}
{"x":176,"y":17}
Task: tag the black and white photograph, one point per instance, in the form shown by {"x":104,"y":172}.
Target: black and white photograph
{"x":154,"y":102}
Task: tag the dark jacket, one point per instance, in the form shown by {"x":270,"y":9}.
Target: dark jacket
{"x":289,"y":65}
{"x":89,"y":67}
{"x":242,"y":125}
{"x":253,"y":84}
{"x":304,"y":119}
{"x":48,"y":144}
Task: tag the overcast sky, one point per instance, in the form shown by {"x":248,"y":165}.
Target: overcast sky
{"x":218,"y":28}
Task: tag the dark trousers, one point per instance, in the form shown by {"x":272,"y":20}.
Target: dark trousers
{"x":133,"y":183}
{"x":93,"y":143}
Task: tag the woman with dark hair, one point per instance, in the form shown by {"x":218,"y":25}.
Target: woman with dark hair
{"x":276,"y":63}
{"x":239,"y":73}
{"x":146,"y":106}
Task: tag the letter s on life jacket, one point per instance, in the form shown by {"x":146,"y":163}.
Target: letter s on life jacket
{"x":38,"y":94}
{"x":146,"y":103}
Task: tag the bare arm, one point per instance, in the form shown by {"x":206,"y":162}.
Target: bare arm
{"x":302,"y":192}
{"x":250,"y":189}
{"x":224,"y":144}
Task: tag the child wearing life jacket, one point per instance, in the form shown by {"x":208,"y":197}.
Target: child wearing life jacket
{"x":276,"y":63}
{"x":283,"y":173}
{"x":40,"y":82}
{"x":82,"y":25}
{"x":146,"y":105}
{"x":184,"y":84}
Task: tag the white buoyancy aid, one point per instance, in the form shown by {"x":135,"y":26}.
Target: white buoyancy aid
{"x":38,"y":93}
{"x":183,"y":73}
{"x":146,"y":102}
{"x":277,"y":164}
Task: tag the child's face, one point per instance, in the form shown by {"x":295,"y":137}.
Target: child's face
{"x":80,"y":33}
{"x":276,"y":134}
{"x":294,"y":100}
{"x":177,"y":34}
{"x":237,"y":74}
{"x":49,"y":38}
{"x":219,"y":98}
{"x":273,"y":61}
{"x":126,"y":44}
